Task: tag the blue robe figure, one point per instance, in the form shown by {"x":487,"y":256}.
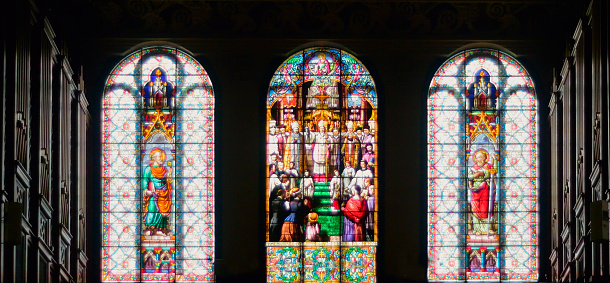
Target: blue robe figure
{"x":158,"y":92}
{"x":482,"y":93}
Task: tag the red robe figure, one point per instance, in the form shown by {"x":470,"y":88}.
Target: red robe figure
{"x":479,"y":178}
{"x":356,"y":211}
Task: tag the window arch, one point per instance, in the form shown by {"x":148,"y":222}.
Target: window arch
{"x":158,"y":169}
{"x":482,"y":170}
{"x":321,"y":169}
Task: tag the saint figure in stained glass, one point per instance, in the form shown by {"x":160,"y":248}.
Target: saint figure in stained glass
{"x":482,"y":92}
{"x":356,"y":211}
{"x":157,"y":186}
{"x":351,"y":145}
{"x":479,"y":183}
{"x":158,"y":170}
{"x":295,"y":142}
{"x":273,"y":147}
{"x":482,"y":170}
{"x":368,"y":194}
{"x":158,"y":92}
{"x":481,"y":146}
{"x":321,"y":154}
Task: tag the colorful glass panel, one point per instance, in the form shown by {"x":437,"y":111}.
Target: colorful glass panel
{"x":482,"y":170}
{"x":158,"y":169}
{"x":321,"y":169}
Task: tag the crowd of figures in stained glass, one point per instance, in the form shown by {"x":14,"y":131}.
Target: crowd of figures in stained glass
{"x":158,"y":169}
{"x":482,"y":170}
{"x":321,"y":166}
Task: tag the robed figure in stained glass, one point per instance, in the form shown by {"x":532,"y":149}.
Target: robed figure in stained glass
{"x":323,"y":92}
{"x":157,"y":185}
{"x":482,"y":170}
{"x":479,"y":183}
{"x":158,"y":92}
{"x":158,"y":169}
{"x":321,"y":153}
{"x":351,"y":145}
{"x":482,"y":92}
{"x":295,"y":144}
{"x":356,"y":211}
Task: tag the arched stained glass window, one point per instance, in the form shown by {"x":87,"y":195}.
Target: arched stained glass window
{"x":482,"y":170}
{"x":321,"y":169}
{"x":158,"y":169}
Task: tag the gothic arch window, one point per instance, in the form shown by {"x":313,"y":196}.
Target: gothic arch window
{"x":158,"y":169}
{"x":482,"y":170}
{"x":321,"y":169}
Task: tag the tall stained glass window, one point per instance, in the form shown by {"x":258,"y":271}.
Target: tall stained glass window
{"x":158,"y":169}
{"x":321,"y":169}
{"x":482,"y":170}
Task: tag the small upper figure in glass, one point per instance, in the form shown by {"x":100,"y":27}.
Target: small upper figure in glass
{"x":482,"y":93}
{"x":158,"y":93}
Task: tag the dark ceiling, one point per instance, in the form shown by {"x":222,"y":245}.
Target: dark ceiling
{"x":305,"y":19}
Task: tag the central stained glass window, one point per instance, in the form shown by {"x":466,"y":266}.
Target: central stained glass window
{"x":482,"y":170}
{"x":321,"y":166}
{"x":158,"y":169}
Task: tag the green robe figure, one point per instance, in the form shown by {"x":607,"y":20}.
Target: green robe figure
{"x":157,"y":185}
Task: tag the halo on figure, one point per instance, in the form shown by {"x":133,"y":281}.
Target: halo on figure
{"x":474,"y":156}
{"x":161,"y":154}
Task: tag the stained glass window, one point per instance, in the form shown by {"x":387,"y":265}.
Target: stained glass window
{"x":482,"y":170}
{"x":158,"y":169}
{"x":321,"y":167}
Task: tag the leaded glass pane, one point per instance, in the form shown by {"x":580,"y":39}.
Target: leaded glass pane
{"x":158,"y":169}
{"x":482,"y":170}
{"x":321,"y":169}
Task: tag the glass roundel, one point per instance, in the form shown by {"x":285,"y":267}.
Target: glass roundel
{"x":321,"y":169}
{"x":158,"y":169}
{"x":482,"y":170}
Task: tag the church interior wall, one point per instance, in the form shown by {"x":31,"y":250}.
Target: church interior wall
{"x":401,"y":48}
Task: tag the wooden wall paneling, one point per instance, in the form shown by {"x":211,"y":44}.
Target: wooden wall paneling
{"x":555,"y":117}
{"x":62,"y":95}
{"x":569,"y":174}
{"x":582,"y":67}
{"x":598,"y":23}
{"x":80,"y":121}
